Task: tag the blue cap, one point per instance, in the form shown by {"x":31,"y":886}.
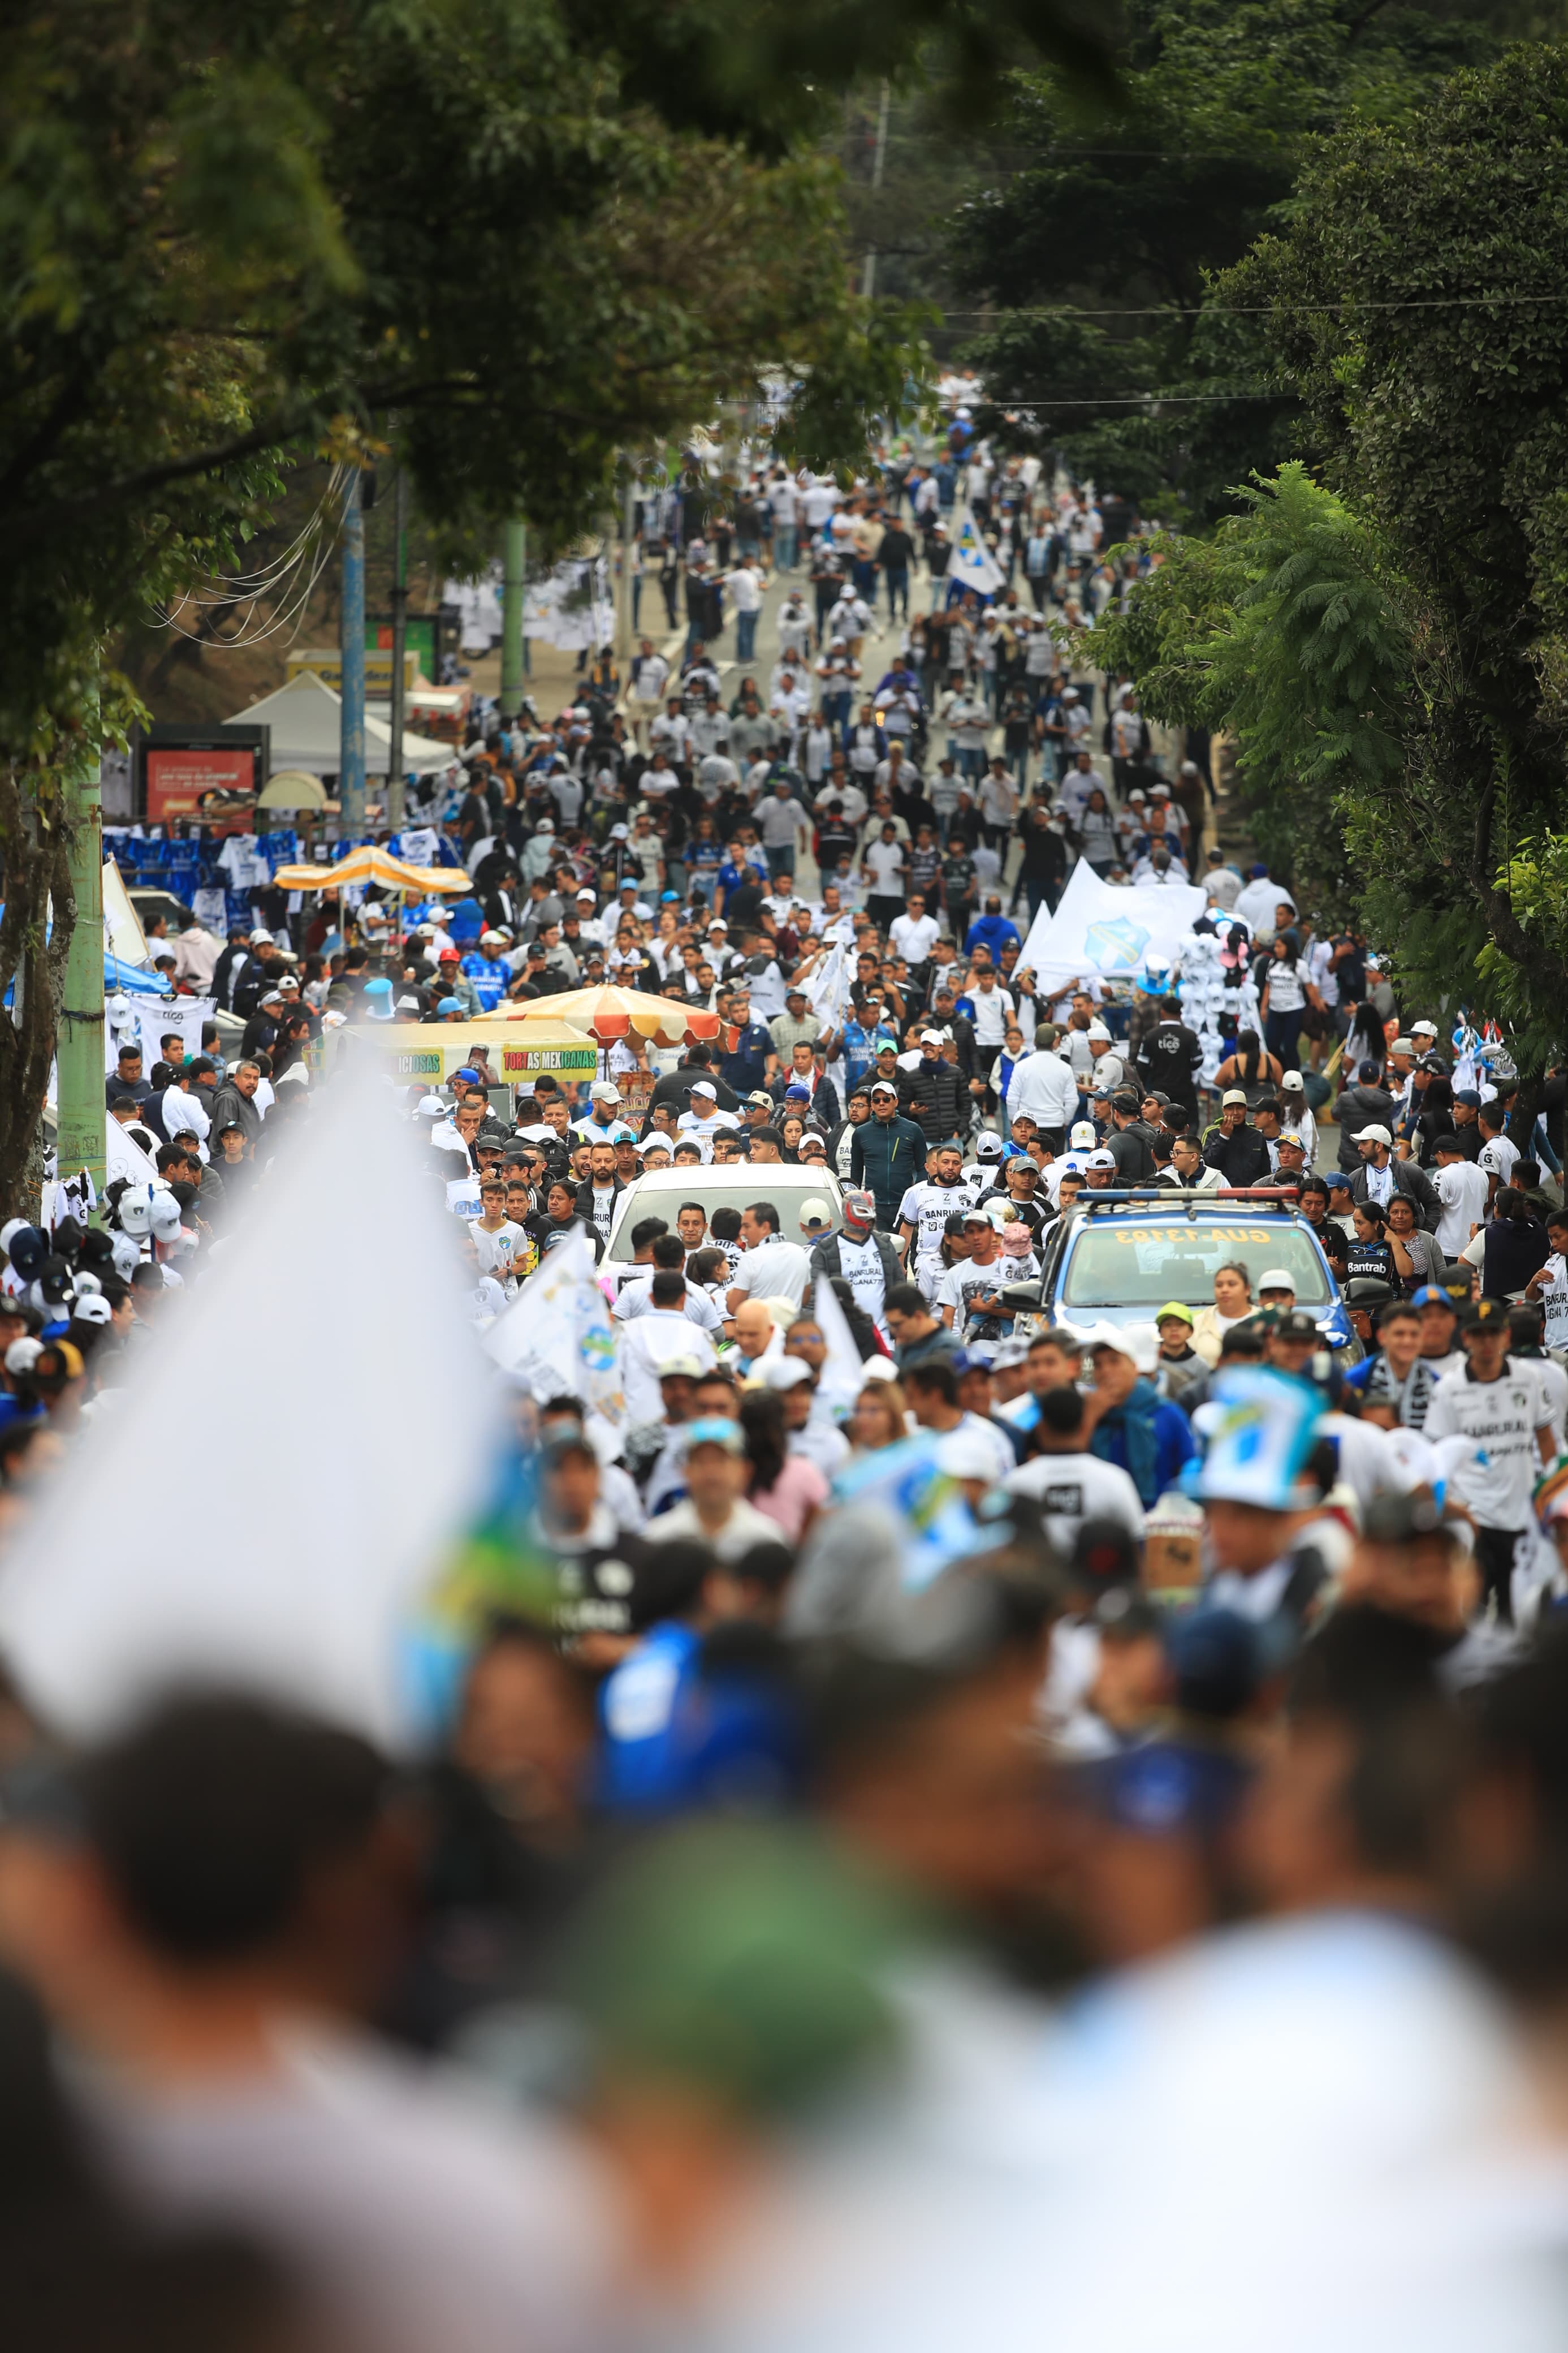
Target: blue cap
{"x":1430,"y":1296}
{"x":450,"y":1004}
{"x":468,"y":1071}
{"x":1335,"y":1177}
{"x":670,"y":897}
{"x":1260,"y":873}
{"x":1165,"y":1789}
{"x":378,"y":988}
{"x":1467,"y":1095}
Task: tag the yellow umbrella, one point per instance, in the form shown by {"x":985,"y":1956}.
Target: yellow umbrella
{"x":365,"y":864}
{"x":605,"y":1013}
{"x":372,"y":865}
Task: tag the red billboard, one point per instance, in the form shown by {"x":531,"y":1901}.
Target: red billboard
{"x":178,"y":776}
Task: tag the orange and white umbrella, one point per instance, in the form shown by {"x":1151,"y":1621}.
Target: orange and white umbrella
{"x":607,"y":1014}
{"x":374,"y":865}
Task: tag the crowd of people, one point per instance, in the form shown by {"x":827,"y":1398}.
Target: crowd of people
{"x":933,"y":1791}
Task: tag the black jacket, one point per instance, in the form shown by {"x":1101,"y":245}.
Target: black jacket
{"x":674,"y":1088}
{"x":1360,"y":1107}
{"x":936,"y":1095}
{"x":1409,"y":1179}
{"x":1241,"y":1157}
{"x":1169,"y":1060}
{"x":825,"y":1260}
{"x":1131,"y":1149}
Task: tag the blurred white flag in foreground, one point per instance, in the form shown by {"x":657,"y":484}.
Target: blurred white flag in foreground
{"x":322,"y":1394}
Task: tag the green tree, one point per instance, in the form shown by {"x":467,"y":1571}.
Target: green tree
{"x":1287,"y":630}
{"x":1416,"y":302}
{"x":1102,"y":241}
{"x":512,"y":239}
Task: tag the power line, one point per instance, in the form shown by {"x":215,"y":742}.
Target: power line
{"x":1002,"y":313}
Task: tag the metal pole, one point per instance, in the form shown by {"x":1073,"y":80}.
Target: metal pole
{"x":868,"y":268}
{"x":79,"y":1043}
{"x":624,"y":584}
{"x":399,"y":638}
{"x":351,"y":641}
{"x":514,"y":558}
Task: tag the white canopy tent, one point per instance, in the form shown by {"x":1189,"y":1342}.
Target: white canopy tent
{"x":305,"y":717}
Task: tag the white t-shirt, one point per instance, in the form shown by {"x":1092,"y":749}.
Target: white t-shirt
{"x":994,"y":1009}
{"x":773,"y":1270}
{"x":861,"y":1266}
{"x":1497,"y":1158}
{"x":636,"y":1299}
{"x":1501,"y":1417}
{"x":914,"y":936}
{"x":496,"y":1251}
{"x":604,"y":1210}
{"x":1072,"y":1488}
{"x":1553,"y":1300}
{"x":965,"y":1281}
{"x":884,"y":863}
{"x":928,"y":1208}
{"x":1461,"y":1187}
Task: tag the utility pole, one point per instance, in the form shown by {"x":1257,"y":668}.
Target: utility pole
{"x":351,"y":641}
{"x":399,"y":639}
{"x":623,"y":582}
{"x":515,"y":565}
{"x":79,"y":1043}
{"x":868,"y":267}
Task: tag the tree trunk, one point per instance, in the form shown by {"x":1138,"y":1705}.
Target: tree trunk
{"x":34,"y":850}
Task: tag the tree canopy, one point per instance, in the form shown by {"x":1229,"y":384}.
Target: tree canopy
{"x":1102,"y":241}
{"x":1416,"y":302}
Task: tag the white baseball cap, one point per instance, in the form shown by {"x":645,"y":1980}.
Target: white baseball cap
{"x":1100,"y":1160}
{"x":603,"y":1091}
{"x":1081,"y":1137}
{"x":1276,"y":1278}
{"x":814,"y":1211}
{"x":965,"y":1454}
{"x":706,"y":1088}
{"x":1375,"y":1136}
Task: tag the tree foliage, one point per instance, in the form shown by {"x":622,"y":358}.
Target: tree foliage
{"x":1285,"y":630}
{"x":513,"y":239}
{"x":1416,"y":301}
{"x":1130,"y":219}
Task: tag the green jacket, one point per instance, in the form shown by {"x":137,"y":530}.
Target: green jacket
{"x":886,"y":1157}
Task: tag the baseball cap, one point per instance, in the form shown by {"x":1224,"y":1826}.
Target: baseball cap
{"x":1295,"y":1323}
{"x":1174,"y":1307}
{"x":1098,"y":1034}
{"x":603,"y":1091}
{"x":1424,"y":1030}
{"x":1429,"y":1295}
{"x":1100,"y":1160}
{"x":1402,"y":1046}
{"x":710,"y":1430}
{"x":988,"y":1146}
{"x":976,"y":1216}
{"x":706,"y":1088}
{"x":1447,"y":1142}
{"x":965,"y":1454}
{"x":760,"y":1096}
{"x":585,"y":893}
{"x":23,"y":1355}
{"x":1483,"y":1314}
{"x":449,"y":956}
{"x":1288,"y":1136}
{"x":92,"y":1309}
{"x":784,"y":1372}
{"x":259,"y":935}
{"x":1294,"y":1082}
{"x":1082,"y":1135}
{"x":1233,"y":1096}
{"x":931,"y":1037}
{"x":1276,"y":1278}
{"x":1375,"y":1135}
{"x":886,"y":1087}
{"x":814,"y":1211}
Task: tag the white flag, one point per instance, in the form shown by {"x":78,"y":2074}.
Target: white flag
{"x":843,"y":1375}
{"x":557,"y":1335}
{"x":827,"y":987}
{"x":971,"y":565}
{"x":308,"y":1577}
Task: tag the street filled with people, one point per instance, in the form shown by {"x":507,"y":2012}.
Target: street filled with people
{"x":998,"y":1756}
